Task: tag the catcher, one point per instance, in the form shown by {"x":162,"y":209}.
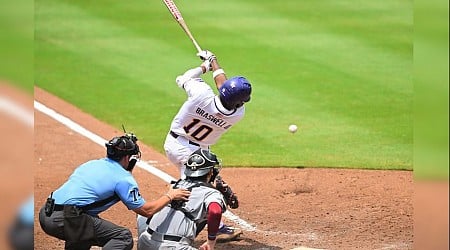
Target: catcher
{"x":177,"y":225}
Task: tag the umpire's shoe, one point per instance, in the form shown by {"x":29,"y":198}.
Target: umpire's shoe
{"x":227,"y":233}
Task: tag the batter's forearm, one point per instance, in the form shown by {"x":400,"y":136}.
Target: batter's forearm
{"x":193,"y":73}
{"x":190,"y":74}
{"x":218,"y":73}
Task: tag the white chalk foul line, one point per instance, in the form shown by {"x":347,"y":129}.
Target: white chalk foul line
{"x":101,"y":141}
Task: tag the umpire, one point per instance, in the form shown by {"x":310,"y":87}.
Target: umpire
{"x":71,"y":212}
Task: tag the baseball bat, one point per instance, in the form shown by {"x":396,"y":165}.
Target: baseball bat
{"x":179,"y":18}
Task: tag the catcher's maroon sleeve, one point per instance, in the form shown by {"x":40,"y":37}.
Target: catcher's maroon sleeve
{"x":214,"y":217}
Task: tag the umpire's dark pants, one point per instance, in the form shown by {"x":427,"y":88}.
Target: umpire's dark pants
{"x":106,"y":234}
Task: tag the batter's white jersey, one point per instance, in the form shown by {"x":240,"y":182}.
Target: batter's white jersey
{"x":202,"y":118}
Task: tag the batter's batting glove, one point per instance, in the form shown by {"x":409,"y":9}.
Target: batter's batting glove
{"x":206,"y":55}
{"x":207,"y":65}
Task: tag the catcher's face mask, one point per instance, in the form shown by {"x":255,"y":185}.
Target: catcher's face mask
{"x":216,"y":170}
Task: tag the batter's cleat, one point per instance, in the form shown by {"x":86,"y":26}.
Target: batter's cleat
{"x":227,"y":233}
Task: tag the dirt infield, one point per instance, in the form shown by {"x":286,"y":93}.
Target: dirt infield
{"x":16,"y":175}
{"x":283,"y":208}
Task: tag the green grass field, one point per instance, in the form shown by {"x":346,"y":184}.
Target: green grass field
{"x":16,"y":43}
{"x":340,"y":70}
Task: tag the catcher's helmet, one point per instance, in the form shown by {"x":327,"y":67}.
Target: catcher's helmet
{"x":234,"y":92}
{"x":120,"y":146}
{"x":200,"y":163}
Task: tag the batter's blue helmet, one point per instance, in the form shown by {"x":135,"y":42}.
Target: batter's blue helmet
{"x":234,"y":92}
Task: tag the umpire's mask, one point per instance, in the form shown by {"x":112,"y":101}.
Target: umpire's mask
{"x":118,"y":147}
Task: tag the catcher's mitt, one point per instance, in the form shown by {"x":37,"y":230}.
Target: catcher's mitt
{"x":230,"y":198}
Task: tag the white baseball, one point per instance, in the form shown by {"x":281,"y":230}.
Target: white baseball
{"x":293,"y":128}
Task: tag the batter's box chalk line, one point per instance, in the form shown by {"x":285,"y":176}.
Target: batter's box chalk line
{"x":248,"y":227}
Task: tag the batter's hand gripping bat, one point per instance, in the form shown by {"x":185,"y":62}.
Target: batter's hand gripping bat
{"x":177,"y":15}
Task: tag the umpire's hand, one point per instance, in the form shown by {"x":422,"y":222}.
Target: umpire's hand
{"x":179,"y":194}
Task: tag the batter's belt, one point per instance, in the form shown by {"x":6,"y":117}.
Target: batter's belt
{"x":175,"y":135}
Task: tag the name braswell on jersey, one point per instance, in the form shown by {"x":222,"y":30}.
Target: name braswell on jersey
{"x":217,"y":121}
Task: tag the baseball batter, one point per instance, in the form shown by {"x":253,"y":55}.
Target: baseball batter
{"x":204,"y":117}
{"x":177,"y":225}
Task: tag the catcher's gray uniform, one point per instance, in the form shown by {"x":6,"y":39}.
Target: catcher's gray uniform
{"x":177,"y":228}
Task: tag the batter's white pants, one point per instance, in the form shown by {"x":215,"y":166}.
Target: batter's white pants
{"x":178,"y":151}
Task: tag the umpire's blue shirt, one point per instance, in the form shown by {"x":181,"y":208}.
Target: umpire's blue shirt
{"x":97,"y":180}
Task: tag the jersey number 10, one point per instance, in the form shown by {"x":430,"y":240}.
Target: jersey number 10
{"x":199,"y":132}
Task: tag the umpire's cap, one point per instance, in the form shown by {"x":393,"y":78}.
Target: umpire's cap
{"x":200,"y":163}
